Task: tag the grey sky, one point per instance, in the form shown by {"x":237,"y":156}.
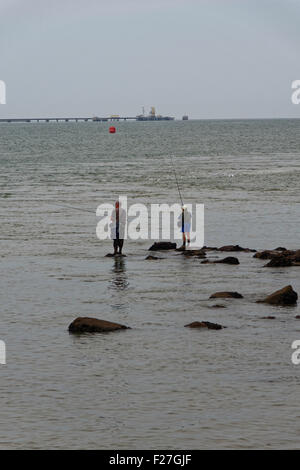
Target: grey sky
{"x":206,"y":58}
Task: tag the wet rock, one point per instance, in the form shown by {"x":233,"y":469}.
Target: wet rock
{"x":226,"y":295}
{"x":284,"y":296}
{"x":278,"y":262}
{"x":280,"y":248}
{"x":93,"y":325}
{"x":218,"y":306}
{"x":112,"y":255}
{"x":229,"y":248}
{"x":268,"y":318}
{"x":158,"y":246}
{"x":295,"y":257}
{"x":270,"y":254}
{"x":266,"y":254}
{"x":236,"y":248}
{"x":152,"y":258}
{"x":229,"y":260}
{"x":205,"y":324}
{"x":197,"y":253}
{"x":181,"y":248}
{"x":297,"y":317}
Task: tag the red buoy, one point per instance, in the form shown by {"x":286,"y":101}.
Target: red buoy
{"x":112,"y":130}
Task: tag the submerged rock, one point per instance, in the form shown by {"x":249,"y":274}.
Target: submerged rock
{"x":197,"y":253}
{"x":268,"y":318}
{"x":295,"y":257}
{"x":224,"y":295}
{"x":218,"y":306}
{"x":266,"y":254}
{"x":112,"y":255}
{"x":278,"y":262}
{"x":228,"y":260}
{"x":152,"y":258}
{"x":236,"y":248}
{"x":92,"y":325}
{"x":229,"y":248}
{"x":157,"y":246}
{"x":284,"y":296}
{"x":205,"y":324}
{"x":280,"y":254}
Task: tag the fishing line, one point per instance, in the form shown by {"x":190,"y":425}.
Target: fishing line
{"x":176,"y":180}
{"x":72,"y":207}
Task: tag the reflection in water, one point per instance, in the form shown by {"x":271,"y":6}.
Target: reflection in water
{"x":119,"y":280}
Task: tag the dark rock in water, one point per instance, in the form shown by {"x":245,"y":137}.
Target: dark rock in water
{"x":266,"y":254}
{"x":152,"y":258}
{"x":92,"y":325}
{"x":297,"y":317}
{"x":181,"y":248}
{"x":229,"y":248}
{"x":236,"y":248}
{"x":158,"y":246}
{"x":224,"y":295}
{"x":197,"y":253}
{"x":268,"y":318}
{"x":284,"y":296}
{"x":112,"y":255}
{"x":278,"y":261}
{"x":295,"y":257}
{"x":205,"y":324}
{"x":280,"y":248}
{"x":218,"y":306}
{"x":270,"y":254}
{"x":228,"y":260}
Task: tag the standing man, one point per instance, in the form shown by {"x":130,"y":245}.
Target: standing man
{"x":184,"y":220}
{"x":118,"y":219}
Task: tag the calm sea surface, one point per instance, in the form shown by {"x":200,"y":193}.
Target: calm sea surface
{"x":158,"y":385}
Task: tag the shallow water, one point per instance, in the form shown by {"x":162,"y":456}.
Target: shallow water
{"x":158,"y":385}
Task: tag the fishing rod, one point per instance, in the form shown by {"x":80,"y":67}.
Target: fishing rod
{"x":176,"y":180}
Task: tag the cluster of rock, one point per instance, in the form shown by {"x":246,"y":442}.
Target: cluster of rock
{"x":280,"y":257}
{"x":282,"y":297}
{"x":93,"y":325}
{"x":229,"y":248}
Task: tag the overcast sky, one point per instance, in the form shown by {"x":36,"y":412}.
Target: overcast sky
{"x":204,"y":58}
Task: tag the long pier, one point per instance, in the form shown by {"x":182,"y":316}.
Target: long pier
{"x":71,"y":119}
